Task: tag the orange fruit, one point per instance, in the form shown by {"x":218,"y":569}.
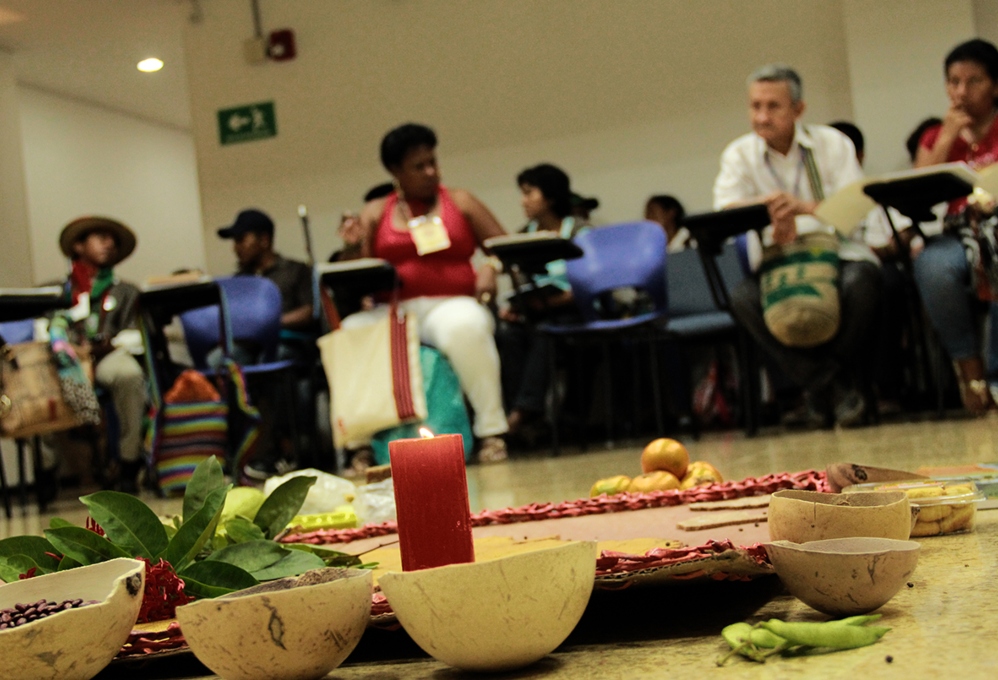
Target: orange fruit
{"x":704,"y":466}
{"x":665,"y":454}
{"x":701,"y":473}
{"x":610,"y":486}
{"x":660,"y":480}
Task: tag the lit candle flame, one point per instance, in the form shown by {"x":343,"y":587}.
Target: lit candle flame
{"x":425,"y":433}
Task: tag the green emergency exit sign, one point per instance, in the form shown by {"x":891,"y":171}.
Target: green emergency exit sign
{"x":247,"y":123}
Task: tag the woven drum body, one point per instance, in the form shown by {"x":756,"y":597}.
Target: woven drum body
{"x":30,"y":381}
{"x":799,"y":288}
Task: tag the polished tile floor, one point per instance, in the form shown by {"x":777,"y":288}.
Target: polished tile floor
{"x":537,"y":477}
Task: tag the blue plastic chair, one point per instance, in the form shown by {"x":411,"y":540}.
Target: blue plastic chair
{"x":15,"y":332}
{"x":625,"y":255}
{"x":694,"y":316}
{"x":251,"y":311}
{"x":253,"y":316}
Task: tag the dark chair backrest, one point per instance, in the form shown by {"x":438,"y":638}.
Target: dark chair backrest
{"x":254,"y":315}
{"x":689,"y":292}
{"x":741,"y":248}
{"x":626,"y":255}
{"x":733,"y":263}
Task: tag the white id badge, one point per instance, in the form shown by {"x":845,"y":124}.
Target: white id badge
{"x":429,"y":234}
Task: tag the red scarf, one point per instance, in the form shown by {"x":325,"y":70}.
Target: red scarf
{"x":82,"y":277}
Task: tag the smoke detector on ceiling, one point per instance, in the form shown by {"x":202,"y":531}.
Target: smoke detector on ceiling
{"x":277,"y":46}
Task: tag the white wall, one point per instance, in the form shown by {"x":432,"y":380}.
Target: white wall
{"x":80,"y":159}
{"x":896,"y":51}
{"x":15,"y":253}
{"x":986,"y":16}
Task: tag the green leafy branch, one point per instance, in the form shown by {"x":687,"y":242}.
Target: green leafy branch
{"x":212,"y":560}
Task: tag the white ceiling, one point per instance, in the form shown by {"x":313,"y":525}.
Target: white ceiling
{"x":88,"y":49}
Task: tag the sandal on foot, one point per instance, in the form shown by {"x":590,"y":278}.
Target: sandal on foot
{"x":492,"y":450}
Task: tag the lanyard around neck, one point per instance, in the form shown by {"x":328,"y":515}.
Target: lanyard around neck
{"x":779,"y":179}
{"x":807,"y":163}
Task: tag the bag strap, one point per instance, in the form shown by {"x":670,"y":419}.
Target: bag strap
{"x":813,"y":176}
{"x":329,"y":309}
{"x":401,"y":377}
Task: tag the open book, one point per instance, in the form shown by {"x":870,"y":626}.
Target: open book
{"x":849,"y":206}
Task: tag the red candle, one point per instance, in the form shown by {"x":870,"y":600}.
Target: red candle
{"x":431,"y":501}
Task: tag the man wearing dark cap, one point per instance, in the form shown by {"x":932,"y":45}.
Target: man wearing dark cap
{"x":252,"y":235}
{"x":104,"y":307}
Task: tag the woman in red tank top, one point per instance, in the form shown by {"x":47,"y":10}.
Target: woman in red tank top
{"x":430,"y":234}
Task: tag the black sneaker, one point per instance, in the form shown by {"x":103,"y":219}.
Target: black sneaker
{"x":46,"y":486}
{"x":128,"y":483}
{"x":262,"y":470}
{"x":850,"y":409}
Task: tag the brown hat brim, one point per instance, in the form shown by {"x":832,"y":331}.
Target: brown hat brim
{"x":82,"y":226}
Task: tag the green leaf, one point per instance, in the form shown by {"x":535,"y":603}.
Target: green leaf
{"x":196,"y":530}
{"x":241,"y":530}
{"x":211,"y":578}
{"x":296,"y":562}
{"x":68,"y":562}
{"x":128,"y":523}
{"x":12,"y":566}
{"x":332,"y":558}
{"x":59,"y":522}
{"x":243,"y":501}
{"x":83,"y":545}
{"x":251,"y":556}
{"x":207,"y":477}
{"x":34,"y":547}
{"x":282,"y":505}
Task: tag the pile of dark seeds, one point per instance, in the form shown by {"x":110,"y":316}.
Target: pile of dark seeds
{"x":21,"y":614}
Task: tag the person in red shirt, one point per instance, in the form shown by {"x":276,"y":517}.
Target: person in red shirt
{"x":430,"y":234}
{"x":968,"y":133}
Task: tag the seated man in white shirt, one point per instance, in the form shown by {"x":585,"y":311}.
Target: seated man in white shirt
{"x":770,"y":165}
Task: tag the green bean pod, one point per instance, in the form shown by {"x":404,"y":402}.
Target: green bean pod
{"x":832,"y":634}
{"x":859,"y":620}
{"x":737,"y":634}
{"x":763,"y":638}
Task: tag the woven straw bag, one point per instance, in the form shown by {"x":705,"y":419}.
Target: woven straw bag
{"x":31,"y":396}
{"x":799,"y":287}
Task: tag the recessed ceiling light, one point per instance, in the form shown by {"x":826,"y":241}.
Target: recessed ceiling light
{"x":150,"y":65}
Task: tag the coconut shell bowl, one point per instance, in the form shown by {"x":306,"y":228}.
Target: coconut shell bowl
{"x":802,"y":516}
{"x":495,"y":615}
{"x":844,"y":576}
{"x":293,"y":628}
{"x":69,"y":624}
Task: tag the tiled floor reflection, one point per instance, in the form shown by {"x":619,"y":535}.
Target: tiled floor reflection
{"x":538,"y":477}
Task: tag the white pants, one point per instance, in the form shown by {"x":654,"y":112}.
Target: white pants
{"x":463,"y":331}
